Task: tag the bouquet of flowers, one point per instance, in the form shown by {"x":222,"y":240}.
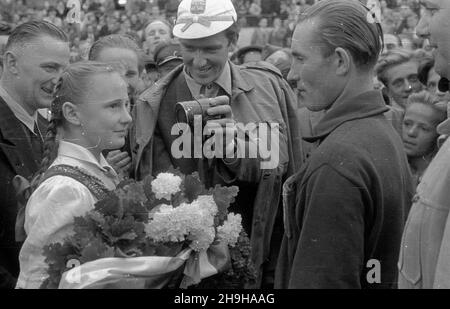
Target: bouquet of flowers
{"x":165,"y":232}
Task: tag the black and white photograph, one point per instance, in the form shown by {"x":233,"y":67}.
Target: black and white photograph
{"x":242,"y":147}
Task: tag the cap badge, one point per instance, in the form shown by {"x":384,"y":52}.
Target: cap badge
{"x":198,"y":6}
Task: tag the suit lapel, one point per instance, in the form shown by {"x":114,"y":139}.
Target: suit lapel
{"x":15,"y":143}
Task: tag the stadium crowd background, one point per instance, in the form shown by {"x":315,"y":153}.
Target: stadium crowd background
{"x":272,"y":20}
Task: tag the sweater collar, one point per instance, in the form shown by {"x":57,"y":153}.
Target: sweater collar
{"x":364,"y":105}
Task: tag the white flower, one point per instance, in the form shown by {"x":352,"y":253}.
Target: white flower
{"x":193,"y":222}
{"x":206,"y":202}
{"x":165,"y":185}
{"x":230,"y":230}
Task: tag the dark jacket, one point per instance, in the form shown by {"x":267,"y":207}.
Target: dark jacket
{"x":16,"y":158}
{"x":348,"y":203}
{"x":259,"y":95}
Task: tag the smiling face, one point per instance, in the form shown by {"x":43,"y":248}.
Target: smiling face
{"x":104,"y":114}
{"x":419,"y":130}
{"x":205,"y":58}
{"x":38,"y":67}
{"x":434,"y":24}
{"x":315,"y":76}
{"x":400,"y":81}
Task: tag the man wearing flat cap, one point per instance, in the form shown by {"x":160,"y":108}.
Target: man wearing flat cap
{"x":167,"y":56}
{"x":239,"y":95}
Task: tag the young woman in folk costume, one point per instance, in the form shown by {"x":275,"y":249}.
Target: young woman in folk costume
{"x":90,"y":113}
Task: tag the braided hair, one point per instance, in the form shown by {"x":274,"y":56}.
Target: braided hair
{"x":74,"y":81}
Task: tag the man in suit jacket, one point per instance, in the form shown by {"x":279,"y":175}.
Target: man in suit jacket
{"x":35,"y":55}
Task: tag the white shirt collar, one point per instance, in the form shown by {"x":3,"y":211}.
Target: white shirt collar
{"x":19,"y":111}
{"x":224,"y":81}
{"x":78,"y":152}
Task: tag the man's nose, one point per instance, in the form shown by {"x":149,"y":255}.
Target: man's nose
{"x":412,"y":132}
{"x":199,"y":60}
{"x":292,"y":76}
{"x":422,"y":27}
{"x":408,"y":86}
{"x":126,"y":117}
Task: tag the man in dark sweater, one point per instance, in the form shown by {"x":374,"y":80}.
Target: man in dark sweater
{"x":35,"y":55}
{"x":344,"y":211}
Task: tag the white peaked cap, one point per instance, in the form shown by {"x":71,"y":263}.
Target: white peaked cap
{"x":203,"y":18}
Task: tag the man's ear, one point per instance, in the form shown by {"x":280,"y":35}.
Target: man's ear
{"x":71,"y":113}
{"x":10,"y":62}
{"x":343,"y":61}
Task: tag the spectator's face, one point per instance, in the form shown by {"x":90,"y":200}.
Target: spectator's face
{"x":419,"y":130}
{"x":38,"y":67}
{"x":412,"y":21}
{"x":401,"y":81}
{"x":263,"y":23}
{"x":127,"y":62}
{"x":434,"y":24}
{"x":390,"y":42}
{"x":155,"y":11}
{"x":317,"y":83}
{"x":104,"y":114}
{"x":277,"y":22}
{"x":205,"y":58}
{"x":156,"y":33}
{"x":432,"y":86}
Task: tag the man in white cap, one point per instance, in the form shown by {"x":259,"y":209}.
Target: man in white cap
{"x":254,"y":94}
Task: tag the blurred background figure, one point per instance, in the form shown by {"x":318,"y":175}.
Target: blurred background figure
{"x":251,"y":53}
{"x":167,"y":57}
{"x":391,"y":41}
{"x":430,"y":79}
{"x":261,"y":34}
{"x":156,"y":32}
{"x":397,"y":70}
{"x":278,"y":35}
{"x":423,"y":114}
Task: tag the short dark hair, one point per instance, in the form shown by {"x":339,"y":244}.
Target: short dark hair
{"x":424,"y":69}
{"x":116,"y":41}
{"x":232,"y":33}
{"x":32,"y":30}
{"x":343,"y":23}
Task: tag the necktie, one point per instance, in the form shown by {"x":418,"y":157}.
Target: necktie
{"x":37,"y":144}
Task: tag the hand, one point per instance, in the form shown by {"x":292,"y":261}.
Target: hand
{"x":225,"y":125}
{"x":120,"y":161}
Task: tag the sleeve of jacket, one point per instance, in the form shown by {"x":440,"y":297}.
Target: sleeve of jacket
{"x":330,"y":248}
{"x":7,"y":281}
{"x":290,"y":152}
